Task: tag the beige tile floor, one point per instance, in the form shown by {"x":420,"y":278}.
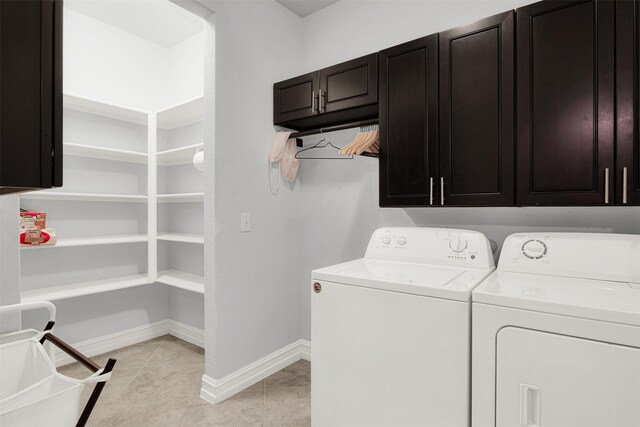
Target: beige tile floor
{"x":157,"y":383}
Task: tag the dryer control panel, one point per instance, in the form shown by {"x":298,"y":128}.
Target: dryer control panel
{"x":437,"y":246}
{"x":597,"y":256}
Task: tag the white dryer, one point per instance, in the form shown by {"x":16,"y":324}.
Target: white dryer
{"x":556,"y":333}
{"x":391,"y":332}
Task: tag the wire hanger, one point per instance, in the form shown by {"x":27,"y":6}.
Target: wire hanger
{"x":321,"y":145}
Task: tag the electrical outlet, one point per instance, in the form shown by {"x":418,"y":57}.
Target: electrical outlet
{"x":245,"y":222}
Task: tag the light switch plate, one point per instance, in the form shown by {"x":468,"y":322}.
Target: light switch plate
{"x":245,"y":222}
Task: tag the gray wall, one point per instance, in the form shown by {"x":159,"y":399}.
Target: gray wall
{"x":9,"y":259}
{"x":251,"y":297}
{"x":186,"y":307}
{"x":93,"y":316}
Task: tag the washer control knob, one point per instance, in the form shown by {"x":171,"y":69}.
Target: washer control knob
{"x":401,"y":241}
{"x":386,"y":240}
{"x":458,"y":244}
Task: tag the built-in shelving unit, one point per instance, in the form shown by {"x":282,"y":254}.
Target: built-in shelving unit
{"x":181,"y":198}
{"x":96,"y":145}
{"x":81,"y":150}
{"x":182,"y":238}
{"x":84,"y":288}
{"x":178,"y":156}
{"x":91,"y":241}
{"x":182,"y":114}
{"x":179,"y":279}
{"x":181,"y":129}
{"x":104,"y":109}
{"x":84,"y":197}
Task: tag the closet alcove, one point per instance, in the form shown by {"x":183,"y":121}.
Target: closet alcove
{"x":130,"y":211}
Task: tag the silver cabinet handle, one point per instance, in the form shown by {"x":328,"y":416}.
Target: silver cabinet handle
{"x":606,"y":186}
{"x":313,"y":102}
{"x":442,"y":190}
{"x":624,"y":185}
{"x":321,"y":102}
{"x":431,"y":191}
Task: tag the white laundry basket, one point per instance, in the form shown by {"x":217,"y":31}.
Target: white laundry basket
{"x":32,"y":392}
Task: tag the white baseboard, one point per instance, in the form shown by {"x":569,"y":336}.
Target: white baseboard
{"x":186,"y":333}
{"x":106,"y":343}
{"x":215,"y":391}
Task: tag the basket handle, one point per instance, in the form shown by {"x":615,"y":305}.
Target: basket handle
{"x":97,"y":377}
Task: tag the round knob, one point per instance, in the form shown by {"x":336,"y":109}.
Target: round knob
{"x":386,"y":240}
{"x":458,"y":244}
{"x":534,"y":249}
{"x":401,"y":241}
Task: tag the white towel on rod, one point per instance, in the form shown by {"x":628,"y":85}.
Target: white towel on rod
{"x":289,"y":164}
{"x":275,"y":157}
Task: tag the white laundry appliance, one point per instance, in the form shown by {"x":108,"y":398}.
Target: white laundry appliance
{"x":556,"y":333}
{"x":391,"y":332}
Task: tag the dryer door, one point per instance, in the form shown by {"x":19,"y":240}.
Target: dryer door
{"x":550,"y":380}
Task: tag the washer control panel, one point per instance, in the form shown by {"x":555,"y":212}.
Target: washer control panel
{"x":440,"y":246}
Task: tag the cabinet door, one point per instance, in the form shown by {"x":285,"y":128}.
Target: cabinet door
{"x":565,"y":102}
{"x":295,"y":98}
{"x":477,"y":113}
{"x":31,"y":101}
{"x":350,"y":84}
{"x":409,"y":123}
{"x":628,"y":100}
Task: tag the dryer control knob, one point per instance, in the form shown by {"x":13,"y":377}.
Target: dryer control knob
{"x":458,"y":244}
{"x":534,"y":249}
{"x":386,"y":240}
{"x":401,"y":241}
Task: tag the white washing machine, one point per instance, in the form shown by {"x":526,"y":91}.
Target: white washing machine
{"x":391,"y":332}
{"x":556,"y":333}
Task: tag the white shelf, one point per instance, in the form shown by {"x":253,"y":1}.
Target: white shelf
{"x":179,"y":279}
{"x":105,"y":109}
{"x":81,"y":150}
{"x":178,"y":156}
{"x":182,"y":114}
{"x":182,"y":238}
{"x":181,"y":198}
{"x":87,"y":197}
{"x":91,"y":241}
{"x":83,"y":288}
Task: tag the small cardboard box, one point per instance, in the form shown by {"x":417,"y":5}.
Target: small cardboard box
{"x":30,"y":220}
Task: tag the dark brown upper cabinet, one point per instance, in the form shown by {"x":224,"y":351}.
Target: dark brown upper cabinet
{"x":338,"y":94}
{"x":296,"y":98}
{"x":409,"y":123}
{"x":30,"y":95}
{"x":348,"y":85}
{"x":565,"y":103}
{"x":628,"y":100}
{"x":477,"y":114}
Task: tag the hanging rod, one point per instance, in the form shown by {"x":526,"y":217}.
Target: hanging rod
{"x":334,"y":128}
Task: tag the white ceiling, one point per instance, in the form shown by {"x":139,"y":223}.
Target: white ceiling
{"x":158,"y":21}
{"x":303,"y":8}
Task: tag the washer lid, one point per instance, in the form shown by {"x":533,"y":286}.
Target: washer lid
{"x":412,"y":278}
{"x":591,"y":299}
